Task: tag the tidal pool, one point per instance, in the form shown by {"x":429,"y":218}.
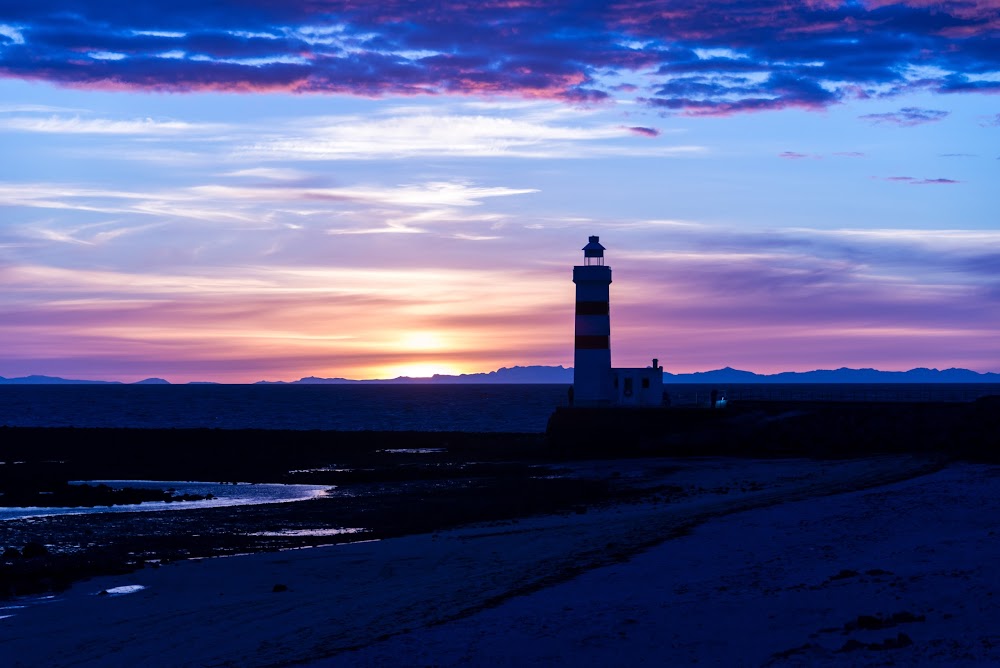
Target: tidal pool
{"x":226,"y":494}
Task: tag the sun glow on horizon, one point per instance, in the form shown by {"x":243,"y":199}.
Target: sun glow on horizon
{"x":419,"y":370}
{"x":422,"y":341}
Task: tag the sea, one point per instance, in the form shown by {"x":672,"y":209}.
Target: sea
{"x":223,"y":494}
{"x":472,"y":408}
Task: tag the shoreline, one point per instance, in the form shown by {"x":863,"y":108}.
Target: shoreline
{"x":390,"y":484}
{"x":898,"y":574}
{"x":359,"y":595}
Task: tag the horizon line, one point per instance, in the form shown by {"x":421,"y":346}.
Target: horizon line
{"x":43,"y":379}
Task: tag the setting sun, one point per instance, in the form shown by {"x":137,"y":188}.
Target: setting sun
{"x":422,"y":341}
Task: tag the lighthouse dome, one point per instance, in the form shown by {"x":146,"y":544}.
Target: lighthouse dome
{"x":593,"y":248}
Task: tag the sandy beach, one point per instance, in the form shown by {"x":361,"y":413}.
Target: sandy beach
{"x":726,"y":562}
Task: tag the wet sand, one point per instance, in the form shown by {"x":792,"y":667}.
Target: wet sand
{"x":332,"y":602}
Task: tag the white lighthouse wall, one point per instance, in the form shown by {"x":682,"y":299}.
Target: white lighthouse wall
{"x":599,"y":325}
{"x":592,"y":377}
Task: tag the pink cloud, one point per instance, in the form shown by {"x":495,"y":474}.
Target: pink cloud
{"x":920,"y":182}
{"x":645,"y":132}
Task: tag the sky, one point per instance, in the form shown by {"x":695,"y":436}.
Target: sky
{"x":237,"y":191}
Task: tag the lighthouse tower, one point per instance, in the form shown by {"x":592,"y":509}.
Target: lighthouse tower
{"x":592,"y":377}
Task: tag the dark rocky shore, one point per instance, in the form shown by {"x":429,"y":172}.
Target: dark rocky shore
{"x":386,"y":484}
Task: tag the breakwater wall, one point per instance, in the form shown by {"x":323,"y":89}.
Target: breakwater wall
{"x":784,"y":428}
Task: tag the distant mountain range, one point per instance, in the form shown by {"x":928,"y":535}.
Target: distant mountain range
{"x":564,"y":376}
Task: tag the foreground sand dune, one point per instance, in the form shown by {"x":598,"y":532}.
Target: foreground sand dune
{"x":749,"y":562}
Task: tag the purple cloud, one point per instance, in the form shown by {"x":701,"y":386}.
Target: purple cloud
{"x":907,"y":116}
{"x":918,"y":182}
{"x":645,"y":132}
{"x":711,"y":57}
{"x":851,"y":154}
{"x":991,"y":122}
{"x":792,"y":155}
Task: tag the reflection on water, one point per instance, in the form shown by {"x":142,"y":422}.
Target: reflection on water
{"x":309,"y":532}
{"x":412,"y":451}
{"x":225,"y":494}
{"x":121,"y":591}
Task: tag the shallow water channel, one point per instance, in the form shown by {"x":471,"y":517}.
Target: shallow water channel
{"x":226,"y":494}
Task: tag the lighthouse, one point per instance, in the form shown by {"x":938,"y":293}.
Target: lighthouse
{"x":595,"y":383}
{"x":592,"y":381}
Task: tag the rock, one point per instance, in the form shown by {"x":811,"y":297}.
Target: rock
{"x":901,"y":640}
{"x":844,"y":574}
{"x":279,"y":587}
{"x":11,"y":553}
{"x":852,"y":645}
{"x":33,"y":549}
{"x":870,"y":623}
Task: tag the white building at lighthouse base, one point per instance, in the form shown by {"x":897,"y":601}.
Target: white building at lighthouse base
{"x":639,"y":386}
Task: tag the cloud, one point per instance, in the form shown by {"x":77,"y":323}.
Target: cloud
{"x":531,"y":132}
{"x":783,"y":299}
{"x":247,"y":215}
{"x":245,"y":322}
{"x":271,"y":173}
{"x":907,"y":116}
{"x":792,"y":155}
{"x":101,"y":126}
{"x":918,"y":182}
{"x":764,"y":299}
{"x":801,"y":55}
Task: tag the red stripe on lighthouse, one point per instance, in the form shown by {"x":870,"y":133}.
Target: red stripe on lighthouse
{"x":592,"y":342}
{"x":592,"y":308}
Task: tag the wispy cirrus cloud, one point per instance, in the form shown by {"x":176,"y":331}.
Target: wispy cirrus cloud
{"x":776,"y":56}
{"x":765,"y":299}
{"x":760,"y":297}
{"x":244,"y":213}
{"x":273,"y":321}
{"x":248,"y":203}
{"x":529,"y":132}
{"x":795,"y":155}
{"x":907,"y":116}
{"x":102,"y":126}
{"x":917,"y":181}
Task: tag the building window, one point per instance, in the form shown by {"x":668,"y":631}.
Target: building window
{"x":645,"y":383}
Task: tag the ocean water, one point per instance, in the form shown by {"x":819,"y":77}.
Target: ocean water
{"x":485,"y":408}
{"x":226,"y":494}
{"x":493,"y":408}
